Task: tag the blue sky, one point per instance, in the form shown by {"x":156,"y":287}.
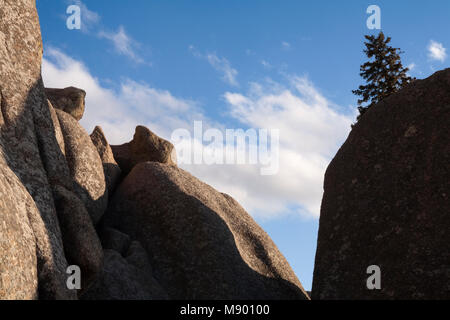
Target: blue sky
{"x":286,"y":65}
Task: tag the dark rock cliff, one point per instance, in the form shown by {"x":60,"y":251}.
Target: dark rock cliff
{"x":386,"y":200}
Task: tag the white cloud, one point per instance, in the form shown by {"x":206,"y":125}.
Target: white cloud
{"x":123,"y":43}
{"x":222,"y":65}
{"x":310,"y":131}
{"x":118,"y":111}
{"x":285,"y":45}
{"x":436,"y":51}
{"x":310,"y":134}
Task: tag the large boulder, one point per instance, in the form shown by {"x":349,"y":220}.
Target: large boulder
{"x":70,"y":100}
{"x":85,"y":166}
{"x":28,"y":146}
{"x":145,"y":146}
{"x":201,"y":243}
{"x":110,"y":167}
{"x":386,"y":201}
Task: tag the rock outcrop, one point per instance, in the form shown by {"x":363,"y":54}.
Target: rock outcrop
{"x":110,"y":167}
{"x":27,"y":147}
{"x":150,"y":230}
{"x":145,"y":146}
{"x":165,"y":235}
{"x":386,"y":200}
{"x":69,"y":100}
{"x":85,"y":166}
{"x":201,"y":243}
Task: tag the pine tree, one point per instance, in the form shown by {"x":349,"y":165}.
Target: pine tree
{"x":384,"y":74}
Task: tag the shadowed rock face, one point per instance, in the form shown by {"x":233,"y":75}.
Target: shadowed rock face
{"x":202,"y":244}
{"x":121,"y":280}
{"x":145,"y":146}
{"x":386,"y":200}
{"x":82,"y":245}
{"x":110,"y":167}
{"x":69,"y":100}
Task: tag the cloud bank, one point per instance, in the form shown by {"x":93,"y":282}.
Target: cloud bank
{"x":311,"y":131}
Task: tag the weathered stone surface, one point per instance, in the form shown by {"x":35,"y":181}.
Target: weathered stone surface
{"x":386,"y":200}
{"x":121,"y":280}
{"x":201,"y":243}
{"x":138,"y":257}
{"x":69,"y":100}
{"x":18,"y":261}
{"x":115,"y":240}
{"x":110,"y":167}
{"x":81,"y":243}
{"x":145,"y":146}
{"x":23,"y":103}
{"x":57,"y":129}
{"x":85,"y":166}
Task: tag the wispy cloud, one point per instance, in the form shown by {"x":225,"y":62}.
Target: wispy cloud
{"x":249,"y":52}
{"x":220,"y":64}
{"x":412,"y":69}
{"x":285,"y":45}
{"x":266,"y":64}
{"x":436,"y":51}
{"x":123,"y":44}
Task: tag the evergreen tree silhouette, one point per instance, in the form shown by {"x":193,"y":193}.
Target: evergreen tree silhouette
{"x":384,"y":73}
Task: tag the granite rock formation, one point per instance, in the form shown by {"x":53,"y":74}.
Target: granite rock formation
{"x":69,"y":100}
{"x":54,"y":185}
{"x":386,"y":200}
{"x":31,"y":160}
{"x":111,"y":169}
{"x":145,"y":146}
{"x":85,"y":166}
{"x":201,"y":243}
